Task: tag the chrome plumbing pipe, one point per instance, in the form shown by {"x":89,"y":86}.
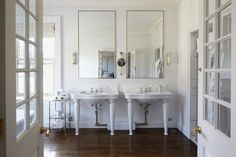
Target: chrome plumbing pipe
{"x":146,"y":109}
{"x":96,"y":106}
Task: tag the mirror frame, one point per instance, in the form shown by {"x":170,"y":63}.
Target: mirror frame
{"x":115,"y":48}
{"x":163,"y":39}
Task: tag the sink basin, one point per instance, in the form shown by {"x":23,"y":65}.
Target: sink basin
{"x":94,"y":96}
{"x":148,"y":95}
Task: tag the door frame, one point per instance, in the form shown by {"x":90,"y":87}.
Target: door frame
{"x":2,"y":78}
{"x":10,"y":84}
{"x":192,"y":30}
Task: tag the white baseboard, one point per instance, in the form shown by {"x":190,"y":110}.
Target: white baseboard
{"x":121,"y":125}
{"x":184,"y":130}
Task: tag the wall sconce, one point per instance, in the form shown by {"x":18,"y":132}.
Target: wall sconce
{"x":168,"y":58}
{"x":74,"y":58}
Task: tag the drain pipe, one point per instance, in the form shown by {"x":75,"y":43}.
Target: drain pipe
{"x":146,"y":109}
{"x":96,"y":115}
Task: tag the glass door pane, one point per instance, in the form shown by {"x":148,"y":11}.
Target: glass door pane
{"x":20,"y":20}
{"x":222,"y":2}
{"x":32,"y":29}
{"x":225,"y":22}
{"x":209,"y":111}
{"x":22,"y":1}
{"x":32,"y":83}
{"x":224,"y":59}
{"x":32,"y":56}
{"x":20,"y":53}
{"x":20,"y":119}
{"x":33,"y":110}
{"x":210,"y":84}
{"x":224,"y":120}
{"x":20,"y":87}
{"x":211,"y":6}
{"x":32,"y":6}
{"x":210,"y":29}
{"x":224,"y":86}
{"x":210,"y":57}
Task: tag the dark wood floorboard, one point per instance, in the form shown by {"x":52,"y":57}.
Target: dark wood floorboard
{"x":98,"y":143}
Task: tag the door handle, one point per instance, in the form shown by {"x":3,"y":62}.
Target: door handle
{"x":43,"y":130}
{"x":196,"y":130}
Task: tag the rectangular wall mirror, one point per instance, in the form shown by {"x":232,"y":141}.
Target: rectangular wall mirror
{"x":97,"y":44}
{"x":145,"y":58}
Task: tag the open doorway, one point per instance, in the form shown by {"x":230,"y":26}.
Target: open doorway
{"x":194,"y":49}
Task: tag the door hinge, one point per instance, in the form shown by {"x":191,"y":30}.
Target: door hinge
{"x":1,"y":128}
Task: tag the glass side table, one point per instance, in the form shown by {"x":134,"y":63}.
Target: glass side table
{"x":60,"y":111}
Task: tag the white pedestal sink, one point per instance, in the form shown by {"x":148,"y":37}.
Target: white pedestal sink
{"x":146,"y":97}
{"x":93,"y":98}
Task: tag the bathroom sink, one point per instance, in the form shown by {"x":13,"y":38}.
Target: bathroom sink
{"x":148,"y":98}
{"x":94,"y":98}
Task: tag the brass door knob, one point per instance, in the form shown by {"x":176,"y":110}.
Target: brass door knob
{"x":43,"y":130}
{"x":196,"y":130}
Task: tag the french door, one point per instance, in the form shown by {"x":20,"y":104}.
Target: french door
{"x":216,"y":96}
{"x":24,"y":78}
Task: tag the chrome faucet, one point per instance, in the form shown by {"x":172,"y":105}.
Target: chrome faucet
{"x":141,"y":89}
{"x":148,"y":89}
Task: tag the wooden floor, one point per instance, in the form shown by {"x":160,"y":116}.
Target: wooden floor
{"x":98,"y":143}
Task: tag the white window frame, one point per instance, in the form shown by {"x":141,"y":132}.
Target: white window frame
{"x":58,"y":50}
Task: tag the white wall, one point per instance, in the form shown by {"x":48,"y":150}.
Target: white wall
{"x":69,"y":13}
{"x":188,"y":19}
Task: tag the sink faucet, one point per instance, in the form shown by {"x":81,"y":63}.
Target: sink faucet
{"x":148,"y":89}
{"x":160,"y":88}
{"x":91,"y":91}
{"x":141,"y":89}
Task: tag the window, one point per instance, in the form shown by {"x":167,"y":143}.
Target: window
{"x":49,"y":60}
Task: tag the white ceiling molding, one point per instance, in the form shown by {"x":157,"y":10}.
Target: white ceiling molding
{"x":177,"y":1}
{"x":76,"y":3}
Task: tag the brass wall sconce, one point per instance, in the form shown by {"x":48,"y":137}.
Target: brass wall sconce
{"x":74,"y":58}
{"x":168,"y":58}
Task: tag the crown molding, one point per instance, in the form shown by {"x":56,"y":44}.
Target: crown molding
{"x":177,"y":1}
{"x":76,"y":3}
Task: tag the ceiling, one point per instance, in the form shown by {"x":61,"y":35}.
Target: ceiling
{"x":137,"y":21}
